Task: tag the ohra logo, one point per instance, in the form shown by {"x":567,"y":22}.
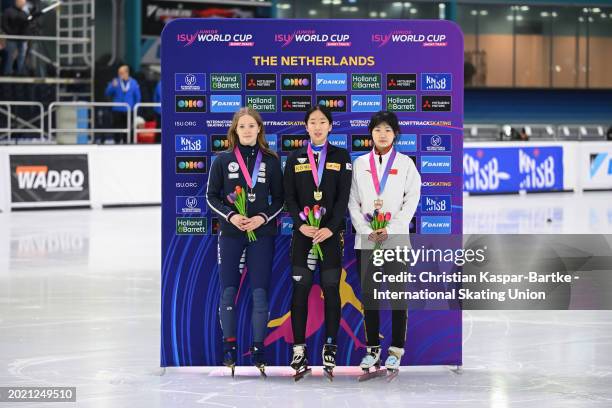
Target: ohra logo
{"x":293,"y":142}
{"x":219,"y":143}
{"x":299,"y":82}
{"x":191,"y":165}
{"x":189,"y":103}
{"x":40,"y":177}
{"x":362,"y":143}
{"x":335,"y":103}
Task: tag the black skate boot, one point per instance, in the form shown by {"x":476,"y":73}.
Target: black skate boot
{"x":258,"y":357}
{"x":329,"y":359}
{"x":299,"y":362}
{"x":230,"y":355}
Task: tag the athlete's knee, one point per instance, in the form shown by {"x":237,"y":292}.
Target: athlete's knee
{"x":228,"y":296}
{"x":330,"y":279}
{"x":260,"y":300}
{"x":302,"y":277}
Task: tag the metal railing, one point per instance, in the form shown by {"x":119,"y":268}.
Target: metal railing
{"x":89,"y":130}
{"x":29,"y":128}
{"x":135,"y":116}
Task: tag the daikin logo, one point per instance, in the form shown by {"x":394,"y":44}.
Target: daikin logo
{"x":366,"y":103}
{"x":331,"y":82}
{"x":407,"y":36}
{"x":214,"y":36}
{"x":225,"y":103}
{"x":435,"y":225}
{"x":311,"y":36}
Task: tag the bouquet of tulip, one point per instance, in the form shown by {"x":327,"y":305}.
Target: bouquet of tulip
{"x":238,"y":198}
{"x":312,"y":217}
{"x":378,"y":220}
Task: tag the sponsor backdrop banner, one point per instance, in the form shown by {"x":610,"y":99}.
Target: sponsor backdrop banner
{"x":281,"y":68}
{"x":512,"y":169}
{"x":40,"y":178}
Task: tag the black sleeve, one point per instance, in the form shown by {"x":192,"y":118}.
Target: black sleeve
{"x":276,"y":190}
{"x":343,"y":192}
{"x":291,"y":199}
{"x":214,"y":191}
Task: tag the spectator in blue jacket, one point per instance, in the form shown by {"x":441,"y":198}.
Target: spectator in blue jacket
{"x":122,"y":89}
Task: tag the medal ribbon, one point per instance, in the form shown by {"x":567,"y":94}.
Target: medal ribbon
{"x":317,"y":173}
{"x":251,"y":180}
{"x":380,"y":186}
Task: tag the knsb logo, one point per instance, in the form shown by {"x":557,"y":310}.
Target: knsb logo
{"x":286,"y":226}
{"x":331,"y":82}
{"x":361,"y":143}
{"x":597,"y":161}
{"x":190,"y":82}
{"x":311,"y":36}
{"x":225,"y":103}
{"x":190,"y":143}
{"x":436,"y":82}
{"x":225,"y":82}
{"x":191,"y":226}
{"x":190,"y":205}
{"x":218,"y":143}
{"x":51,"y":181}
{"x":261,"y":82}
{"x":436,"y":204}
{"x":295,"y":103}
{"x":436,"y":103}
{"x":337,"y":140}
{"x":262,"y":103}
{"x":335,"y":103}
{"x":272,"y":141}
{"x":406,"y":143}
{"x":366,"y":103}
{"x":435,"y":143}
{"x":366,"y":82}
{"x":401,"y":103}
{"x":435,"y":164}
{"x":401,"y":82}
{"x":536,"y":175}
{"x":435,"y":224}
{"x":486,"y":177}
{"x":407,"y":37}
{"x":190,"y":103}
{"x":216,"y":37}
{"x":191,"y":164}
{"x":293,"y":142}
{"x":296,"y":82}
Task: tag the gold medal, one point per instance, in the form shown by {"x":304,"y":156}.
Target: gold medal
{"x":378,"y":203}
{"x":318,"y":195}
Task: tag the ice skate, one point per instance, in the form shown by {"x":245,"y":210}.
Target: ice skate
{"x":229,"y":356}
{"x":370,"y":364}
{"x":258,"y":358}
{"x":392,"y":364}
{"x":299,"y":362}
{"x":329,"y":360}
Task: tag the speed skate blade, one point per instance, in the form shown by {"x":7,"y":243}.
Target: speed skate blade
{"x":391,"y":375}
{"x":372,"y":374}
{"x":298,"y":376}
